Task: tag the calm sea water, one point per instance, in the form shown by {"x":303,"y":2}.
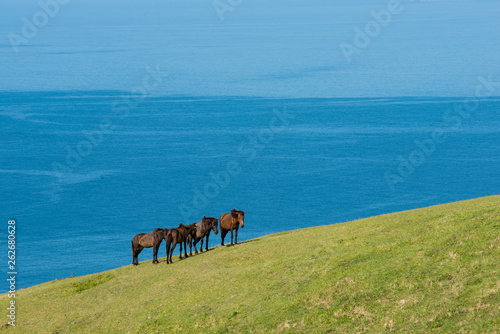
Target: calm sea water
{"x":261,"y":112}
{"x":327,"y":163}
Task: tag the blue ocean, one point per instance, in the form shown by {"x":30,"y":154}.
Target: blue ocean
{"x":120,"y":117}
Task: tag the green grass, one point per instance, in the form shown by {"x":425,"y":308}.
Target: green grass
{"x":428,"y":270}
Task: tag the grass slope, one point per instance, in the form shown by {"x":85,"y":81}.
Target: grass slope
{"x":431,"y":269}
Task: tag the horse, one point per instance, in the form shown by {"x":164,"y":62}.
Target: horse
{"x":202,"y":230}
{"x":176,"y":236}
{"x":147,"y":240}
{"x":231,"y":222}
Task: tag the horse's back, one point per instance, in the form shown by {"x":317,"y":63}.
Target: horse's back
{"x":147,"y":240}
{"x":137,"y":237}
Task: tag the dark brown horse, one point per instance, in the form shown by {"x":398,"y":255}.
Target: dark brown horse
{"x":202,"y":230}
{"x":176,"y":236}
{"x":147,"y":240}
{"x":231,"y":222}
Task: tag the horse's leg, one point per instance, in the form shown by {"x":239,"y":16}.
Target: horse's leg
{"x":158,"y":250}
{"x":222,"y":235}
{"x":137,"y":252}
{"x":201,"y":245}
{"x":196,"y":240}
{"x":167,"y":249}
{"x":191,"y":245}
{"x":236,"y":236}
{"x":170,"y":250}
{"x":192,"y":242}
{"x":133,"y":255}
{"x":232,"y":236}
{"x":155,"y":254}
{"x":206,"y":245}
{"x":185,"y":247}
{"x":169,"y":241}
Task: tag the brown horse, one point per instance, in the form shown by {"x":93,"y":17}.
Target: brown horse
{"x":147,"y":240}
{"x":202,"y":230}
{"x":231,"y":222}
{"x":176,"y":236}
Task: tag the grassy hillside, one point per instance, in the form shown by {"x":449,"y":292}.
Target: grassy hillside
{"x":432,"y":269}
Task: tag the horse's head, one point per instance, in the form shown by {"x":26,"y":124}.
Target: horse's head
{"x":239,"y":216}
{"x":214,"y":223}
{"x":211,"y":222}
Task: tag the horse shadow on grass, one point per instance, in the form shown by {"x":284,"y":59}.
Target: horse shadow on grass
{"x":240,"y":242}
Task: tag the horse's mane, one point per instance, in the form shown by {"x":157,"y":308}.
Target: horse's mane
{"x":235,"y":213}
{"x":212,"y":220}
